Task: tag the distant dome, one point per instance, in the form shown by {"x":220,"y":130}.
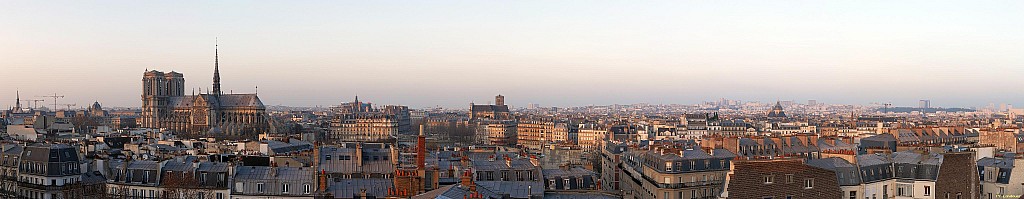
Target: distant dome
{"x":777,"y":111}
{"x":96,"y":106}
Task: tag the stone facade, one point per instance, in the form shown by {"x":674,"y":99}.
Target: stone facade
{"x":165,"y":105}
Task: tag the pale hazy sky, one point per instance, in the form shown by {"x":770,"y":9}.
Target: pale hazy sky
{"x":555,"y":53}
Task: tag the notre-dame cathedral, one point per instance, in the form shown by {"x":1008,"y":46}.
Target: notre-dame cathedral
{"x":211,"y":114}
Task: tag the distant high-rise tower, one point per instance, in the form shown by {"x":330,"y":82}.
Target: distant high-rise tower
{"x":499,"y":100}
{"x":924,"y":104}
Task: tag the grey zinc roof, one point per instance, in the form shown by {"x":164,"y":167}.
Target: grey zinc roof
{"x":516,"y":189}
{"x":996,"y":162}
{"x":577,"y":195}
{"x":176,"y":165}
{"x":873,"y":159}
{"x":144,"y":165}
{"x":93,"y":177}
{"x":830,"y":163}
{"x":722,"y":153}
{"x":350,"y":187}
{"x":261,"y":173}
{"x":212,"y":167}
{"x":567,"y":172}
{"x":497,"y":165}
{"x":906,"y":157}
{"x":439,"y":193}
{"x":43,"y":152}
{"x":885,"y":137}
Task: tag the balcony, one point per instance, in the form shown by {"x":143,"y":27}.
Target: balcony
{"x":687,"y":184}
{"x":40,"y":187}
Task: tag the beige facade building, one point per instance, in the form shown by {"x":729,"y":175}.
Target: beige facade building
{"x":591,"y":137}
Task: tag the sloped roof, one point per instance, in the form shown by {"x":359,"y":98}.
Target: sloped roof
{"x":240,"y":100}
{"x":830,"y":163}
{"x":350,"y":187}
{"x":516,"y":189}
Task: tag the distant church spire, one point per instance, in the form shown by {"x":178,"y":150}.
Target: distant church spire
{"x":17,"y":103}
{"x":216,"y":68}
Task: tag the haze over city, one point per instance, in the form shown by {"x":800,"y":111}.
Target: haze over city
{"x":564,"y":53}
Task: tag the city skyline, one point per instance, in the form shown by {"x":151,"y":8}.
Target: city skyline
{"x":552,"y":54}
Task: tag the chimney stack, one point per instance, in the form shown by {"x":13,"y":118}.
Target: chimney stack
{"x":421,"y":150}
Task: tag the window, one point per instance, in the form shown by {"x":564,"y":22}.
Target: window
{"x":853,"y":194}
{"x":769,"y":179}
{"x":927,"y":190}
{"x":259,"y":187}
{"x":905,"y":190}
{"x":328,"y":157}
{"x":789,"y":178}
{"x":220,"y":195}
{"x":285,"y":188}
{"x":809,"y":183}
{"x":305,"y":188}
{"x":202,"y":178}
{"x":239,"y":187}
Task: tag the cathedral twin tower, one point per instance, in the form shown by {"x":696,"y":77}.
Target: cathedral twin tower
{"x":211,"y":114}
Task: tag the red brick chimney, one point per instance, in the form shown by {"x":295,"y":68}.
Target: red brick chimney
{"x":467,"y":180}
{"x":421,"y":150}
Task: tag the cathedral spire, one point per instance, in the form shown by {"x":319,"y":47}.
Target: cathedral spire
{"x":216,"y":68}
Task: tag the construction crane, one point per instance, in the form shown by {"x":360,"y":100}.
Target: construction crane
{"x":35,"y":103}
{"x":69,"y":105}
{"x":54,"y":96}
